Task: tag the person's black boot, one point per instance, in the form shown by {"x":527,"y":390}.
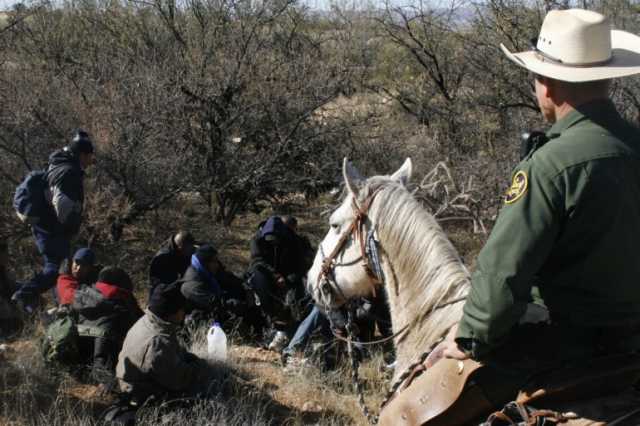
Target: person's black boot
{"x":23,"y":303}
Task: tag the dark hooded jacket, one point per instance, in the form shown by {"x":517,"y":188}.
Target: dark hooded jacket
{"x":105,"y":310}
{"x":167,"y":265}
{"x":65,"y":181}
{"x":276,"y":249}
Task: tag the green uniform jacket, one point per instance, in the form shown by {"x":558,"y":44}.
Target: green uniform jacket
{"x":570,"y":226}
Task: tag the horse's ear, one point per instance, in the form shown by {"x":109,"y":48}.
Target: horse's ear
{"x":404,"y":172}
{"x":352,"y":177}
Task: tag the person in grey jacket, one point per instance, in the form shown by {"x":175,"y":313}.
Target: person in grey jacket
{"x":152,"y":361}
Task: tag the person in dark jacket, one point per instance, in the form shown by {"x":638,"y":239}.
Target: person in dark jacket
{"x":10,"y":318}
{"x":80,"y":271}
{"x":306,"y":251}
{"x":62,"y":218}
{"x":105,"y":313}
{"x":199,"y":285}
{"x":276,"y":274}
{"x":172,"y":260}
{"x":214,"y":293}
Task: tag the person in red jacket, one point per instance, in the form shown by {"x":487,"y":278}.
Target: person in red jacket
{"x":105,"y":312}
{"x":80,"y":271}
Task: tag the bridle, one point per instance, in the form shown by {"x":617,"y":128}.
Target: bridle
{"x":368,"y":254}
{"x":356,"y":230}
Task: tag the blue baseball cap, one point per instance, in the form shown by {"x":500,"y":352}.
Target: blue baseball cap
{"x":84,"y":256}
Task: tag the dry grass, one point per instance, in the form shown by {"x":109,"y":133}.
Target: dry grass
{"x":252,"y":389}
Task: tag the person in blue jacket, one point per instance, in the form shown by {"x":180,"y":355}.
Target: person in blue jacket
{"x":61,"y":220}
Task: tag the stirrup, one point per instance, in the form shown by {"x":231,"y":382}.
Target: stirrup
{"x":517,"y":414}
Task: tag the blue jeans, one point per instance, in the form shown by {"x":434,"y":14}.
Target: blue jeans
{"x":54,"y":248}
{"x":314,"y":321}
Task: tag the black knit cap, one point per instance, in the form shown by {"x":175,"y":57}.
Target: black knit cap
{"x":166,"y":299}
{"x":115,"y":276}
{"x":205,"y":253}
{"x":81,"y":142}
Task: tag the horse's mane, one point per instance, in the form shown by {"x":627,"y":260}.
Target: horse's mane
{"x":423,"y":270}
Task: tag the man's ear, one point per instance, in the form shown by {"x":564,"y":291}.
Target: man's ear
{"x":549,"y":87}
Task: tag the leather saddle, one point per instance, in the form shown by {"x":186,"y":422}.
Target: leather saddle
{"x":434,"y":397}
{"x":446,"y":396}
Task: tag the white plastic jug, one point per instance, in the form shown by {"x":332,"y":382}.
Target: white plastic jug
{"x":217,"y":343}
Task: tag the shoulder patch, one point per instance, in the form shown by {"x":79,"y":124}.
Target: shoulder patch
{"x":518,"y":187}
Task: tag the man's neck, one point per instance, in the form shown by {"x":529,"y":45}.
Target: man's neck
{"x":561,"y":111}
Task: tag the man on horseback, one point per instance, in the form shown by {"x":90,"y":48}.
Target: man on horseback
{"x":567,"y":233}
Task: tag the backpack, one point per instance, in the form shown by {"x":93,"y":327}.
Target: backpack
{"x":29,"y":200}
{"x":60,"y":343}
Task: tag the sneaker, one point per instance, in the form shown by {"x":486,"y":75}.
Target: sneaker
{"x":295,"y":363}
{"x":279,"y":341}
{"x":390,"y":367}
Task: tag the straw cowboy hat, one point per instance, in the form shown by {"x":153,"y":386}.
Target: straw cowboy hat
{"x":579,"y":45}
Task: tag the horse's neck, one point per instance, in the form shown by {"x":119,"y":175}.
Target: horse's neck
{"x":422,"y":275}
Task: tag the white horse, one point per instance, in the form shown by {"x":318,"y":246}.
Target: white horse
{"x":424,"y":276}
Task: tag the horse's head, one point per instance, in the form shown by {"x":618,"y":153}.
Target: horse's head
{"x":342,"y":269}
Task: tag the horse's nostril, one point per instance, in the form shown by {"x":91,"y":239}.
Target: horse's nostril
{"x":325,"y":288}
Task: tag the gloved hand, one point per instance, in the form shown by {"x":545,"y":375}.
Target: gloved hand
{"x":363,"y":312}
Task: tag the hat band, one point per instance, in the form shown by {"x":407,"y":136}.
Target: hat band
{"x":542,"y":56}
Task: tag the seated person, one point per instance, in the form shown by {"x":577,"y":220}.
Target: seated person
{"x":276,"y":274}
{"x":105,"y":312}
{"x":172,"y":260}
{"x":367,"y":313}
{"x":372,"y":313}
{"x":307,"y":252}
{"x":10,"y":317}
{"x":81,"y":271}
{"x":214,"y":293}
{"x":152,"y":361}
{"x":316,"y":320}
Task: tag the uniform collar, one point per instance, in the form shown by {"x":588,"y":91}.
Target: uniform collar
{"x":598,"y":110}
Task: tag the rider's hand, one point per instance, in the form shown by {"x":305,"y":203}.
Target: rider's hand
{"x":453,"y":351}
{"x":448,"y":348}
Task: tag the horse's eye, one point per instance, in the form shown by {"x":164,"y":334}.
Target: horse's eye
{"x":335,"y":226}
